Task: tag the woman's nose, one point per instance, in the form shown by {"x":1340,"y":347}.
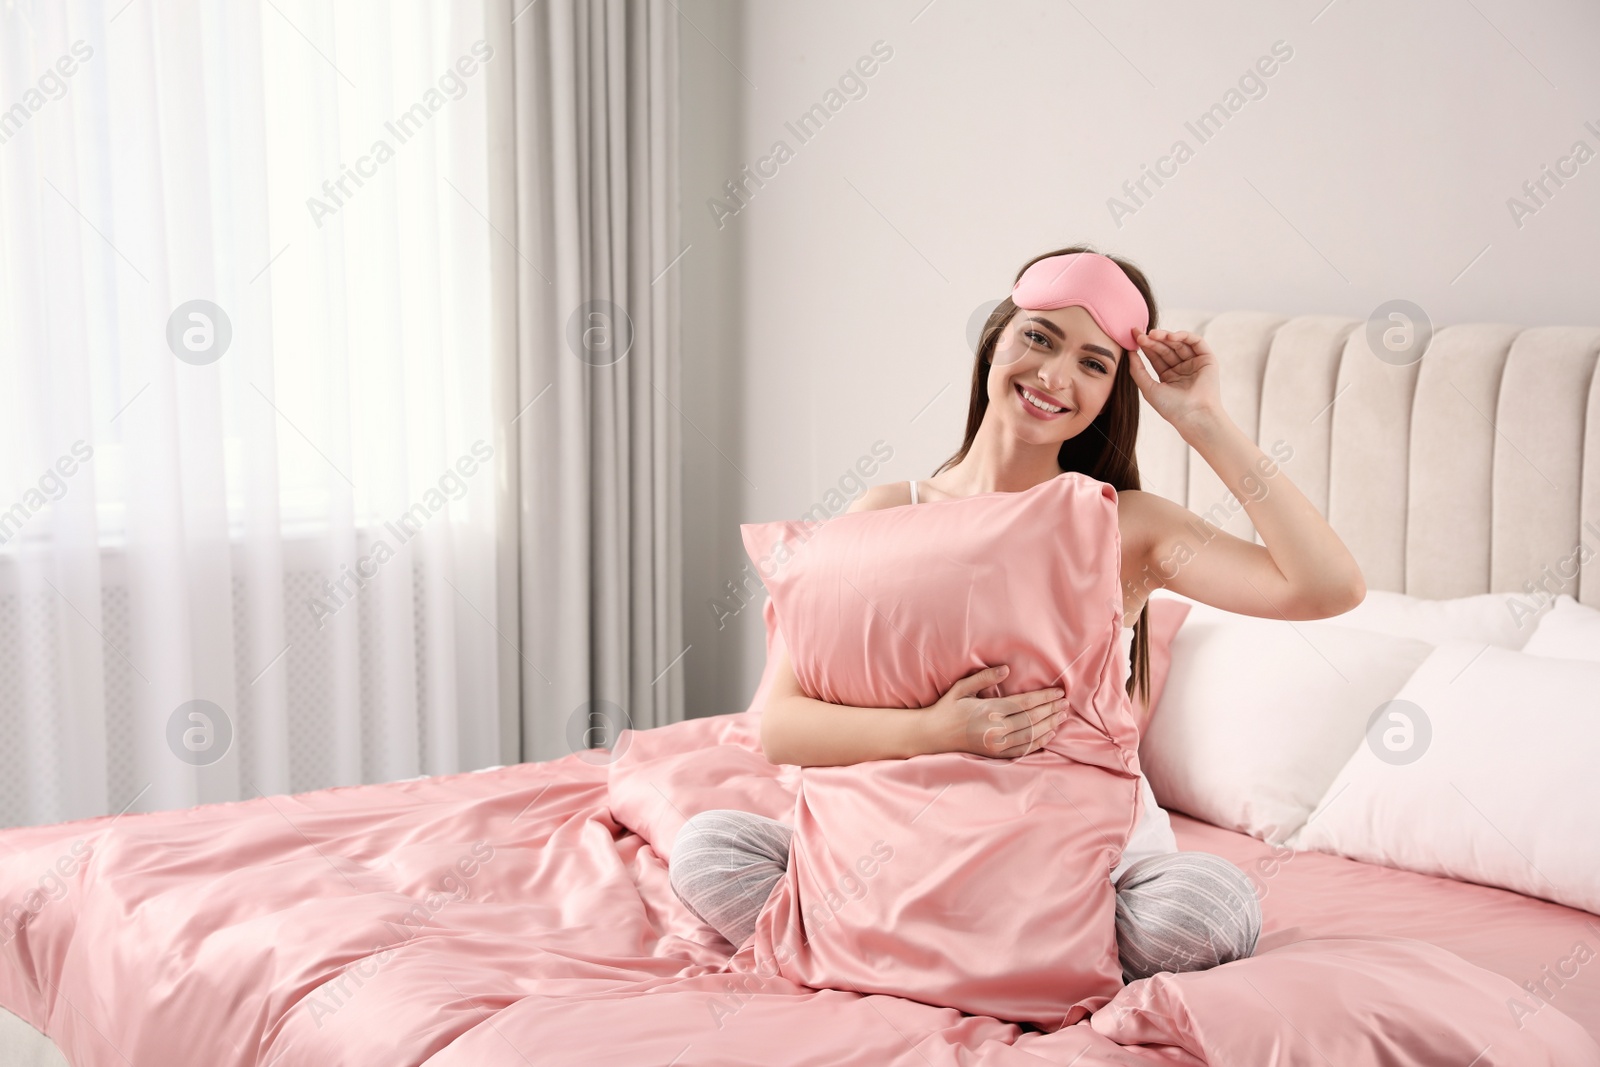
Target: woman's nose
{"x":1051,"y":378}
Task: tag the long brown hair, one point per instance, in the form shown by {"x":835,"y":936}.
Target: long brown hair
{"x":1104,"y":451}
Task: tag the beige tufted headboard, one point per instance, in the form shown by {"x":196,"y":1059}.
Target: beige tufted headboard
{"x":1475,"y":469}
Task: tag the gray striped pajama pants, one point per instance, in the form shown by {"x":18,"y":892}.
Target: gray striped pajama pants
{"x":1180,"y":911}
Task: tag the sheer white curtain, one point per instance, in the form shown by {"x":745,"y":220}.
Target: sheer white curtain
{"x":247,"y":463}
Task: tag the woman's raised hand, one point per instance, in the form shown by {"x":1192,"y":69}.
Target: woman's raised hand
{"x":1187,"y":380}
{"x":1003,"y":727}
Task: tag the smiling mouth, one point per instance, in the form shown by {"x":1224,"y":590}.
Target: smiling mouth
{"x":1039,"y":403}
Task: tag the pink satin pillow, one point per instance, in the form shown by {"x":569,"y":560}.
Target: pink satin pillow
{"x":775,"y":648}
{"x":1165,"y":619}
{"x":888,"y":608}
{"x":1373,"y":1001}
{"x":956,"y":879}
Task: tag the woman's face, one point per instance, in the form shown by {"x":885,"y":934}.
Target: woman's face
{"x":1061,"y":357}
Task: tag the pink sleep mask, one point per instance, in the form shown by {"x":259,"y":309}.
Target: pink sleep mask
{"x":1090,"y":281}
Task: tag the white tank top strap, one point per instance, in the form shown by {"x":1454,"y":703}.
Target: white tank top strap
{"x":913,"y":484}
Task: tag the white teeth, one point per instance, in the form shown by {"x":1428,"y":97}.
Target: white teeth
{"x":1038,"y":404}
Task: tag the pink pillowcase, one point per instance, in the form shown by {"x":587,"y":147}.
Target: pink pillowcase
{"x":956,"y":879}
{"x":775,"y":648}
{"x":1352,"y":1001}
{"x":1166,"y":618}
{"x":889,"y":608}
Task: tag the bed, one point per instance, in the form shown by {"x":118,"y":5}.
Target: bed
{"x":523,"y":914}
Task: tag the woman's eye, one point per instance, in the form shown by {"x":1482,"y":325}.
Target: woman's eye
{"x":1097,"y":365}
{"x":1036,"y":337}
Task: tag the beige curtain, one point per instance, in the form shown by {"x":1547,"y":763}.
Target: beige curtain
{"x":583,"y":196}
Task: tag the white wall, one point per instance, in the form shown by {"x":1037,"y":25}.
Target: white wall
{"x":713,"y":374}
{"x":833,"y":306}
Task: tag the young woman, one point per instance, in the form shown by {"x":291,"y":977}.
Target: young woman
{"x":1053,"y":390}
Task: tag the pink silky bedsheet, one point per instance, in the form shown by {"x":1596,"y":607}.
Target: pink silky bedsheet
{"x":1551,"y":952}
{"x":519,"y":915}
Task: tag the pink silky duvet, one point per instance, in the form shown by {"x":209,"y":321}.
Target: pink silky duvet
{"x":523,"y":915}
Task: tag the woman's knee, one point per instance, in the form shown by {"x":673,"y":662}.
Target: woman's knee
{"x":719,"y":826}
{"x":701,"y":836}
{"x":728,"y":840}
{"x":724,"y":864}
{"x":733,"y":830}
{"x":1184,"y":911}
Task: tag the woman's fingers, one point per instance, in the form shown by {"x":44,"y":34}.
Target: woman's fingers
{"x":1014,"y":725}
{"x":1031,"y":703}
{"x":1180,"y":346}
{"x":1036,"y":705}
{"x":1027,"y":744}
{"x":1142,"y":376}
{"x":1156,"y":349}
{"x":1163,"y":352}
{"x":976,"y":683}
{"x":1035,"y":708}
{"x":1032,"y":728}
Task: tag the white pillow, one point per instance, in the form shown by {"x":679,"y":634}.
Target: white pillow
{"x":1500,"y":789}
{"x":1487,"y":618}
{"x":1569,"y":631}
{"x":1258,"y":715}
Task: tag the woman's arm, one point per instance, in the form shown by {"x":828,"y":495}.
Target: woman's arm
{"x":1303,"y":571}
{"x":814,"y":733}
